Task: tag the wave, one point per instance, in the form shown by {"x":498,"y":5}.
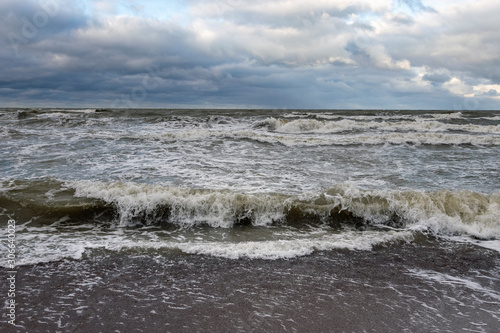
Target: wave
{"x":39,"y":245}
{"x":50,"y":113}
{"x":344,"y":140}
{"x":47,"y":200}
{"x":451,"y":115}
{"x":306,"y":139}
{"x":57,"y":220}
{"x":290,"y":248}
{"x":348,"y":125}
{"x":134,"y":204}
{"x":374,"y":115}
{"x":316,"y":129}
{"x":495,"y":118}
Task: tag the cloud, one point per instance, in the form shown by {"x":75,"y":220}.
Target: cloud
{"x":490,"y":90}
{"x":459,"y":87}
{"x":492,"y":93}
{"x":105,"y":6}
{"x":437,"y":77}
{"x":381,"y":58}
{"x":322,"y":54}
{"x":283,"y":12}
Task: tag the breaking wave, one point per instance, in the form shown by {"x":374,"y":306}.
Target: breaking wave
{"x":304,"y":139}
{"x":57,"y":220}
{"x":349,"y":125}
{"x":134,"y":204}
{"x":289,"y":129}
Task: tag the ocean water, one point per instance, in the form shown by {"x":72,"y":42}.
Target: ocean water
{"x":243,"y":185}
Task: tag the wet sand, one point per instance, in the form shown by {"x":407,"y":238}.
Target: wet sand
{"x":429,"y":287}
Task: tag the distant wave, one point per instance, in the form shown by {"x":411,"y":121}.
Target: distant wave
{"x":297,"y":139}
{"x":287,"y":128}
{"x":374,"y":115}
{"x":349,"y":125}
{"x":341,"y":140}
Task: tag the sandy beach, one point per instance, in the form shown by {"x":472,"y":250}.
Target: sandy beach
{"x":412,"y":288}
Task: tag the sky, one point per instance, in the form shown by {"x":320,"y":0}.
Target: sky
{"x":283,"y":54}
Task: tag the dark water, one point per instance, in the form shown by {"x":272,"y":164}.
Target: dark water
{"x":428,"y":287}
{"x":222,"y":219}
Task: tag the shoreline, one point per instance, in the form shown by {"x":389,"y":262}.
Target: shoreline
{"x":436,"y":286}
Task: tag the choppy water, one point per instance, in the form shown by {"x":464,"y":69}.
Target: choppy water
{"x":246,"y":183}
{"x":252,"y":220}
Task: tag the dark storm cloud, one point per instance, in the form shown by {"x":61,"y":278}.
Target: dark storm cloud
{"x":300,"y":54}
{"x":73,"y":53}
{"x":28,"y":22}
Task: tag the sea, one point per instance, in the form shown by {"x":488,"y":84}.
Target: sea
{"x":251,"y":220}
